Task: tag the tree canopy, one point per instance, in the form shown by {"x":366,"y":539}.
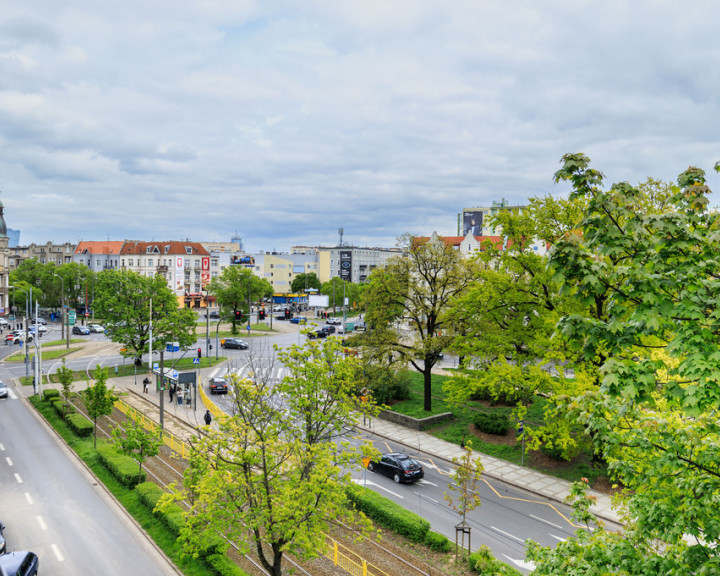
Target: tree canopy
{"x":235,"y":288}
{"x":305,"y":281}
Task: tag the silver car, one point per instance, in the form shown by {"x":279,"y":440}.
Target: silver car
{"x":4,"y":392}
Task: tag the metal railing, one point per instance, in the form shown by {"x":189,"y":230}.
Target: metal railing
{"x":332,"y":550}
{"x":168,"y":438}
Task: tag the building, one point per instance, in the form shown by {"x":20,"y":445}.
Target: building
{"x":44,"y":253}
{"x":281,"y":268}
{"x":469,"y":244}
{"x":99,"y":255}
{"x":350,"y":263}
{"x":4,"y":265}
{"x":476,"y":220}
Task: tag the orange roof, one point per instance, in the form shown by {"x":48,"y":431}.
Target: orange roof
{"x":100,"y":247}
{"x":171,"y":247}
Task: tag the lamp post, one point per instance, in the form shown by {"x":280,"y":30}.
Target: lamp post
{"x":64,"y":312}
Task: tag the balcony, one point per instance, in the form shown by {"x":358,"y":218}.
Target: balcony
{"x":162,"y":268}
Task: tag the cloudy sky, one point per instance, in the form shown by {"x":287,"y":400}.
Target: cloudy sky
{"x":283,"y":121}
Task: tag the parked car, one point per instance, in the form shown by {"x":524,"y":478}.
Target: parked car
{"x":3,"y":548}
{"x":3,"y":322}
{"x":298,"y":320}
{"x":214,"y":315}
{"x":400,"y":467}
{"x":360,"y":327}
{"x":4,"y":393}
{"x":96,"y":328}
{"x":19,"y":564}
{"x":218,"y":386}
{"x":234,"y":343}
{"x":333,"y":321}
{"x":82,"y":330}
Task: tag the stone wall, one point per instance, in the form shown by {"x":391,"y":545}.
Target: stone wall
{"x":414,"y":423}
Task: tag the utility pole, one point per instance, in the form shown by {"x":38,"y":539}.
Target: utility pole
{"x":207,"y":325}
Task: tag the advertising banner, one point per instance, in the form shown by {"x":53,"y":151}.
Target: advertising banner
{"x":179,"y":274}
{"x":346,"y":265}
{"x":206,"y":264}
{"x":472,"y":221}
{"x":205,"y":279}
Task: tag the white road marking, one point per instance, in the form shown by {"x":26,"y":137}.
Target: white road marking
{"x":8,"y":460}
{"x":521,"y":563}
{"x":40,"y":520}
{"x":423,"y":481}
{"x":545,"y":521}
{"x":507,"y":534}
{"x":362,"y":482}
{"x":28,"y":498}
{"x":19,"y":480}
{"x":57,"y":552}
{"x":558,"y":538}
{"x":2,"y":448}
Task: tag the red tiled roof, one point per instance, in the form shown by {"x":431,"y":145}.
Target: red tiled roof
{"x":173,"y":247}
{"x":99,"y":247}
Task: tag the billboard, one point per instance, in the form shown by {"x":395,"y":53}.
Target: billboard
{"x":346,"y":265}
{"x":320,"y":301}
{"x":472,"y":221}
{"x":242,"y":260}
{"x":179,"y":274}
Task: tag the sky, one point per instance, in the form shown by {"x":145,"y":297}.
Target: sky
{"x":281,"y":122}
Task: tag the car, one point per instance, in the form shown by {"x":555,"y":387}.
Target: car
{"x":39,"y":320}
{"x":360,"y":327}
{"x":214,"y":315}
{"x":19,"y":564}
{"x":328,"y":329}
{"x":218,"y":386}
{"x":4,"y":393}
{"x":398,"y":466}
{"x":18,"y":336}
{"x":82,"y":330}
{"x":298,"y":320}
{"x":3,"y":322}
{"x":96,"y":328}
{"x":317,"y":334}
{"x":333,"y":321}
{"x":3,"y":548}
{"x":234,"y":343}
{"x":39,"y":328}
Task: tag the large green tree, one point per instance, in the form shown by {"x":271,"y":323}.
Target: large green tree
{"x":123,"y":299}
{"x":336,"y":288}
{"x":408,"y":305}
{"x":654,"y":416}
{"x":236,"y":288}
{"x":305,"y":281}
{"x":272,"y":477}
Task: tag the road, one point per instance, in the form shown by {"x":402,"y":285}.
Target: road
{"x":51,"y":505}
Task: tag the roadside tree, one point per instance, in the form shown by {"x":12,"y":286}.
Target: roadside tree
{"x":66,"y":378}
{"x":408,"y":306}
{"x":99,"y":399}
{"x":305,"y":281}
{"x":133,"y":440}
{"x":235,"y":288}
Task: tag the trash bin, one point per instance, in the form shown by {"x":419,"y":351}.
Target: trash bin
{"x":187,"y":400}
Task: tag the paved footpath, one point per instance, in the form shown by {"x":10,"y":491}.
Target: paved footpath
{"x":522,"y":477}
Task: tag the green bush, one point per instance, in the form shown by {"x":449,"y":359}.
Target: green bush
{"x":80,"y":425}
{"x":173,"y":516}
{"x":124,"y":468}
{"x":388,"y":513}
{"x":63,"y":408}
{"x":485,"y":564}
{"x":489,"y":393}
{"x":51,"y":394}
{"x":437,"y":542}
{"x":385,"y":384}
{"x":492,"y":423}
{"x":224,"y":566}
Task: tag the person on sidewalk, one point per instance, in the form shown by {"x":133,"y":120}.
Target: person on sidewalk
{"x":208,"y":418}
{"x":180,"y":396}
{"x":146,"y":385}
{"x":171,"y":392}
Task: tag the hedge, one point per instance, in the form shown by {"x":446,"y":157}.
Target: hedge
{"x":388,"y":513}
{"x":63,"y":408}
{"x":484,"y":563}
{"x":124,"y":468}
{"x":492,"y":423}
{"x":51,"y":394}
{"x":80,"y":425}
{"x":438,"y":542}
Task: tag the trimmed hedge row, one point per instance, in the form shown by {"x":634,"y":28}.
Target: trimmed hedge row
{"x":124,"y":468}
{"x":51,"y":394}
{"x":484,"y":563}
{"x":438,"y":542}
{"x":492,"y":423}
{"x":80,"y":425}
{"x":63,"y":408}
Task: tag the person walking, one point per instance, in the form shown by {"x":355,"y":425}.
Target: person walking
{"x":180,"y":396}
{"x":208,"y":418}
{"x":171,"y":392}
{"x":146,"y":385}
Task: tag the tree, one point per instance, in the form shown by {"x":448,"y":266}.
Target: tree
{"x":654,"y":415}
{"x":303,"y":282}
{"x":336,"y":288}
{"x":99,"y":399}
{"x":136,"y":442}
{"x":408,"y":303}
{"x":273,"y":477}
{"x":66,"y":377}
{"x":123,"y":298}
{"x":465,"y":482}
{"x":235,"y":288}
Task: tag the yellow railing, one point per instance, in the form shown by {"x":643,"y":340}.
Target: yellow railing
{"x":209,"y":404}
{"x":169,"y":439}
{"x":332,"y":549}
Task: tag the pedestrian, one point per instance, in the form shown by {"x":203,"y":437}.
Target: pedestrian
{"x":180,"y":396}
{"x":208,"y":418}
{"x":146,"y":385}
{"x":171,"y":392}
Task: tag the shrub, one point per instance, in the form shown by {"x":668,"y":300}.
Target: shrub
{"x":63,"y":408}
{"x":484,"y":563}
{"x":224,"y":566}
{"x":492,"y":423}
{"x":384,"y":383}
{"x":388,"y":513}
{"x":51,"y":394}
{"x":173,"y":516}
{"x":437,"y":542}
{"x":80,"y":425}
{"x":122,"y":467}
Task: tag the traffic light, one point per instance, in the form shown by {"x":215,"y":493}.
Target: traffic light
{"x":261,"y":314}
{"x":288,"y":314}
{"x":239,"y":316}
{"x":199,"y":352}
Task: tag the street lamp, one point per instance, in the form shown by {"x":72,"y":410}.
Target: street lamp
{"x":65,"y":330}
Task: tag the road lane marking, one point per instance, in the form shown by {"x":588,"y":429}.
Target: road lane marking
{"x":423,"y":481}
{"x":521,"y":563}
{"x":8,"y":460}
{"x":545,"y":521}
{"x":371,"y":483}
{"x":57,"y":552}
{"x":507,"y":534}
{"x":19,"y":480}
{"x":2,"y":447}
{"x":40,"y":520}
{"x":28,"y":498}
{"x":558,"y":538}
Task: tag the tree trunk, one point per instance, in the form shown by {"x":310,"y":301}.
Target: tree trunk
{"x":427,"y":379}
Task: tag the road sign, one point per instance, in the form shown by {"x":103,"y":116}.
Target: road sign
{"x":196,"y":360}
{"x":72,"y":317}
{"x":366,"y":461}
{"x":521,"y":426}
{"x":349,"y":327}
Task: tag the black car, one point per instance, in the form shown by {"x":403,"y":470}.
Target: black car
{"x":82,"y":330}
{"x":317,"y":334}
{"x":399,"y":467}
{"x":234,"y":343}
{"x":218,"y":386}
{"x":19,"y":564}
{"x":328,"y":329}
{"x":2,"y":539}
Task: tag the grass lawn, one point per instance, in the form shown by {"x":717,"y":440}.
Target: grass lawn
{"x":63,"y":342}
{"x":46,"y":355}
{"x":128,"y":498}
{"x":461,"y":428}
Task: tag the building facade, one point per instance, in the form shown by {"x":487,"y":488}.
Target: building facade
{"x":99,"y":256}
{"x":352,"y":264}
{"x":476,"y":220}
{"x":44,"y":253}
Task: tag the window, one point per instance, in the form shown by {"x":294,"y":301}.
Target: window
{"x":148,"y":250}
{"x":188,"y":250}
{"x":130,"y":261}
{"x":150,"y":261}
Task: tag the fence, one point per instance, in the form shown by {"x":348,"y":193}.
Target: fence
{"x":331,"y":549}
{"x":168,"y":438}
